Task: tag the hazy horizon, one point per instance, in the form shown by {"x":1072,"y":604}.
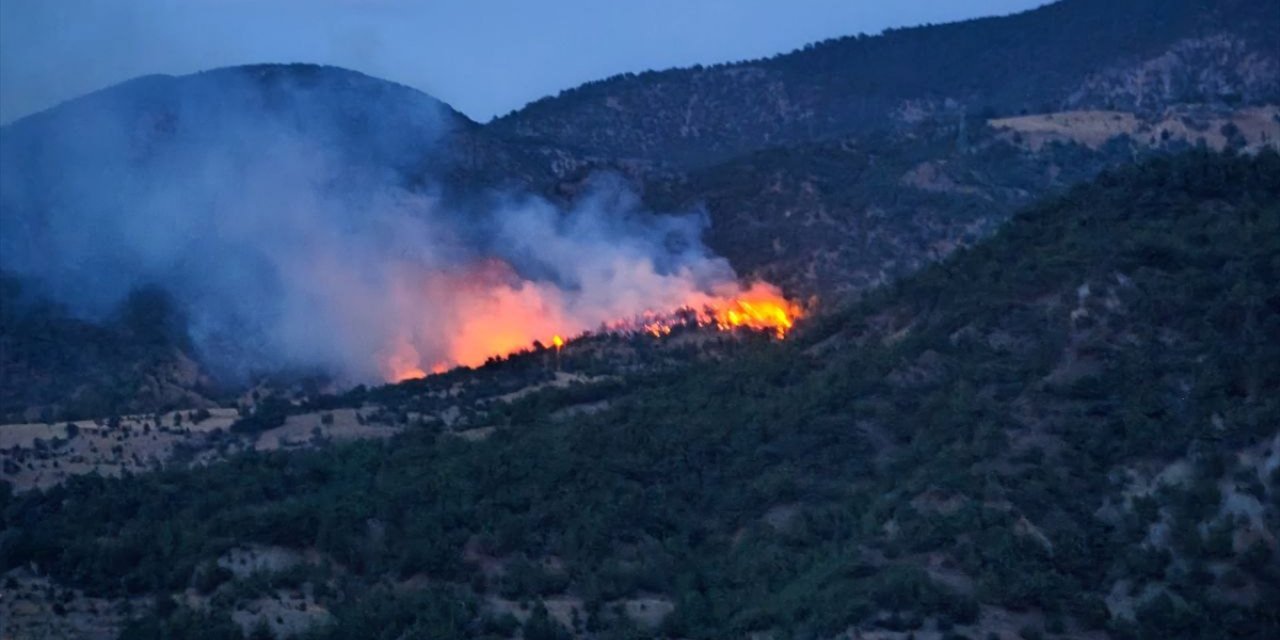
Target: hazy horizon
{"x":483,"y":58}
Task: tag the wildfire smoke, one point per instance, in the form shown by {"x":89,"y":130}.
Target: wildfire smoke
{"x":292,"y":244}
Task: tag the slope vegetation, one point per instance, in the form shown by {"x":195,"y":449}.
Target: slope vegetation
{"x":1069,"y":429}
{"x":1131,"y":55}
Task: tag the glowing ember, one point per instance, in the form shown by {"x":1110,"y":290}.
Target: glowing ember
{"x":761,"y":307}
{"x":657,"y":329}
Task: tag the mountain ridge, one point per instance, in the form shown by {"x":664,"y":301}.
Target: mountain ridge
{"x":804,"y":90}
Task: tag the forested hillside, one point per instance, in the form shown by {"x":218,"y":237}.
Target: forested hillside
{"x":837,"y":218}
{"x":828,"y":171}
{"x":1135,"y":55}
{"x":138,"y":359}
{"x":1067,"y":429}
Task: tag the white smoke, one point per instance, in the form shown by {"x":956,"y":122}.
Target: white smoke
{"x":290,"y":244}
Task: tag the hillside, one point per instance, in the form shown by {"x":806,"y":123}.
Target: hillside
{"x":836,"y":218}
{"x":1068,"y":430}
{"x":54,"y":364}
{"x":1135,"y":55}
{"x":84,"y":184}
{"x":889,"y":153}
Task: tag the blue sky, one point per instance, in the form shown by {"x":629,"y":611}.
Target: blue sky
{"x":484,"y":57}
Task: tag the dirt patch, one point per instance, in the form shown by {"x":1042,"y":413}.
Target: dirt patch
{"x":933,"y":177}
{"x":1089,"y":128}
{"x":37,"y":455}
{"x":583,"y":409}
{"x":561,"y":380}
{"x":33,"y":607}
{"x":1025,"y":527}
{"x":944,"y":570}
{"x":1252,"y":128}
{"x":309,"y":428}
{"x":475,"y":435}
{"x":247,"y":560}
{"x":649,"y":611}
{"x":562,"y":609}
{"x":43,"y":455}
{"x":287,"y":613}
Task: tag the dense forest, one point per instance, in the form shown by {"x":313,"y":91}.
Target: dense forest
{"x":992,"y":434}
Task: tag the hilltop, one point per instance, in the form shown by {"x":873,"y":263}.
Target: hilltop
{"x":1135,"y":55}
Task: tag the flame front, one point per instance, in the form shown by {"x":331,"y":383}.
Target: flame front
{"x":487,"y":311}
{"x":762,"y":308}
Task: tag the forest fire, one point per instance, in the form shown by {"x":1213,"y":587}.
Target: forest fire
{"x":496,"y":315}
{"x":761,"y":308}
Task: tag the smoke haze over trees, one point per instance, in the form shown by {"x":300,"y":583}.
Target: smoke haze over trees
{"x":272,"y":204}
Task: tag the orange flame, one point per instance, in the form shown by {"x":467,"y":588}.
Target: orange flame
{"x":487,"y":311}
{"x":761,"y":307}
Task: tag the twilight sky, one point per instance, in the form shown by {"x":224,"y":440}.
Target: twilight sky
{"x":484,"y":57}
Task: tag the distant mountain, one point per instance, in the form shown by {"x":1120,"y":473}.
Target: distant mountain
{"x":1133,"y":55}
{"x":351,"y":109}
{"x":91,"y":162}
{"x":145,"y":125}
{"x":142,"y":126}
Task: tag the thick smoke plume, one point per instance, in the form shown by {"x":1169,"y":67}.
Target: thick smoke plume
{"x":274,"y":213}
